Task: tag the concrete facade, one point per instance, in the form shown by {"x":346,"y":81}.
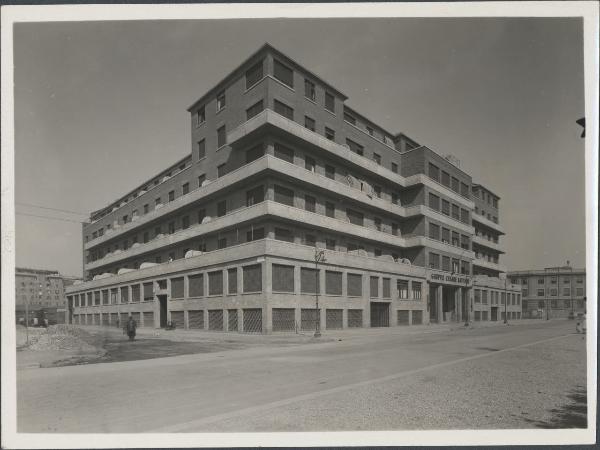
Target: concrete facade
{"x":280,"y":166}
{"x":553,"y":292}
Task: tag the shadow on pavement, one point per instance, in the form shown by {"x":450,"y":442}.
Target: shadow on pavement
{"x":571,"y":415}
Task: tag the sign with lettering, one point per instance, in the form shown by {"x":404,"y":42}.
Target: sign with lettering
{"x":444,"y":278}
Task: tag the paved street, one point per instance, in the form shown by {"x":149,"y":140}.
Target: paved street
{"x":520,"y":376}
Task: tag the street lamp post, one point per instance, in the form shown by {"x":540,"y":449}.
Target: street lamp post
{"x":319,"y":258}
{"x":505,"y":303}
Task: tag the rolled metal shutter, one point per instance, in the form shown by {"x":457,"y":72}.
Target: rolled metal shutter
{"x":196,"y":320}
{"x":232,"y":320}
{"x":284,"y":319}
{"x":105,"y":319}
{"x":417,"y":317}
{"x":148,"y":319}
{"x":333,"y":319}
{"x":114,"y":317}
{"x":403,"y":317}
{"x":355,"y":318}
{"x":215,"y":319}
{"x":177,"y":317}
{"x":477,"y":315}
{"x":252,"y":320}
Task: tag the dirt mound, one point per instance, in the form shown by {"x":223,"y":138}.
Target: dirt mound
{"x":65,"y":337}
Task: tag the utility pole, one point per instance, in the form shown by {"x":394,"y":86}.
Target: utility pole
{"x":319,"y":258}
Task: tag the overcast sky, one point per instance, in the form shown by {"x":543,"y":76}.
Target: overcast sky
{"x":101,"y":106}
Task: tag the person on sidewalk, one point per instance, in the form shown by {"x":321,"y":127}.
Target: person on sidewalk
{"x":131,"y":325}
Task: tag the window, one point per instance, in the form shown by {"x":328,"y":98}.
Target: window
{"x":196,"y":285}
{"x":355,"y":217}
{"x":283,"y":234}
{"x":395,"y":229}
{"x":374,"y":287}
{"x":329,"y":134}
{"x":201,"y":215}
{"x":402,"y":286}
{"x":445,"y":178}
{"x":125,"y":220}
{"x":455,"y":212}
{"x":171,"y":227}
{"x":349,"y":118}
{"x":157,"y":231}
{"x":394,"y":198}
{"x":464,"y":215}
{"x":354,"y":147}
{"x":171,"y":196}
{"x":310,"y":240}
{"x":446,"y":263}
{"x":434,"y":172}
{"x":282,"y":152}
{"x":455,"y":184}
{"x":255,"y":195}
{"x":310,"y":203}
{"x":221,"y":208}
{"x":566,"y":280}
{"x":200,"y":116}
{"x":283,"y":74}
{"x":354,"y":285}
{"x":254,"y":234}
{"x":484,"y":297}
{"x":434,"y":201}
{"x":377,"y":222}
{"x":201,"y":180}
{"x":185,"y":222}
{"x":254,"y":74}
{"x":329,"y":102}
{"x":333,"y":282}
{"x":377,"y":191}
{"x":283,"y":278}
{"x":177,"y":287}
{"x":146,"y":237}
{"x":370,"y":131}
{"x":221,"y":103}
{"x":309,"y":123}
{"x":446,"y":235}
{"x":434,"y":260}
{"x":540,"y":292}
{"x":221,"y":137}
{"x":330,"y":244}
{"x":254,"y":153}
{"x":215,"y":283}
{"x":464,"y":190}
{"x":201,"y":149}
{"x":254,"y":110}
{"x":540,"y":281}
{"x":222,"y":243}
{"x":330,"y":172}
{"x":416,"y":290}
{"x":465,"y":242}
{"x":310,"y":164}
{"x":394,"y":167}
{"x":377,"y":158}
{"x":566,"y":291}
{"x":434,"y":231}
{"x":579,"y":292}
{"x":146,"y":209}
{"x":283,"y":195}
{"x":309,"y":90}
{"x":477,"y":296}
{"x":221,"y":170}
{"x":455,"y":266}
{"x":309,"y":280}
{"x":185,"y":188}
{"x":284,"y":110}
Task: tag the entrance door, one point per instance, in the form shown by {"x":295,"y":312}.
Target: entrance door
{"x":380,"y":314}
{"x":433,"y":309}
{"x":162,"y":300}
{"x":494,"y":313}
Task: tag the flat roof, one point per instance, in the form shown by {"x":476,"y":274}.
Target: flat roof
{"x":487,"y":189}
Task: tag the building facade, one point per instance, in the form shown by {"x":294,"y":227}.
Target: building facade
{"x":40,"y":290}
{"x":225,"y":238}
{"x":552,"y":292}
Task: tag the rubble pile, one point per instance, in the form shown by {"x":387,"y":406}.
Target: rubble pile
{"x":64,"y":337}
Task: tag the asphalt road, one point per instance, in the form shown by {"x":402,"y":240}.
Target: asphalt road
{"x":497,"y":377}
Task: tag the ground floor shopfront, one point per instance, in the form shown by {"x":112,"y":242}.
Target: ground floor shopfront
{"x":272,"y":286}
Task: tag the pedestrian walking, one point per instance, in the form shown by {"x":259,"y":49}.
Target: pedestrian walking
{"x":131,"y":326}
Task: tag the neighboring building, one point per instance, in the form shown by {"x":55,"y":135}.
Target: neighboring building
{"x":224,"y":239}
{"x":40,"y":290}
{"x":551,"y":292}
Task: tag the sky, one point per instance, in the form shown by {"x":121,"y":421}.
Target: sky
{"x":100,"y":107}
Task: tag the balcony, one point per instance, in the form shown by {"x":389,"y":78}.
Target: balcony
{"x":268,"y":118}
{"x":284,"y":169}
{"x":479,"y":240}
{"x":284,"y":213}
{"x":488,"y":223}
{"x":480,"y":262}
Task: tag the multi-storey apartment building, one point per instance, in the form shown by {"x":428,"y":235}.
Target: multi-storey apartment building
{"x":552,"y":292}
{"x":280,"y":166}
{"x":486,"y":244}
{"x":40,"y":290}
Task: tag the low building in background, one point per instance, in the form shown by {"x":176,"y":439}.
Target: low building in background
{"x":280,"y":166}
{"x":552,"y":292}
{"x":42,"y":293}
